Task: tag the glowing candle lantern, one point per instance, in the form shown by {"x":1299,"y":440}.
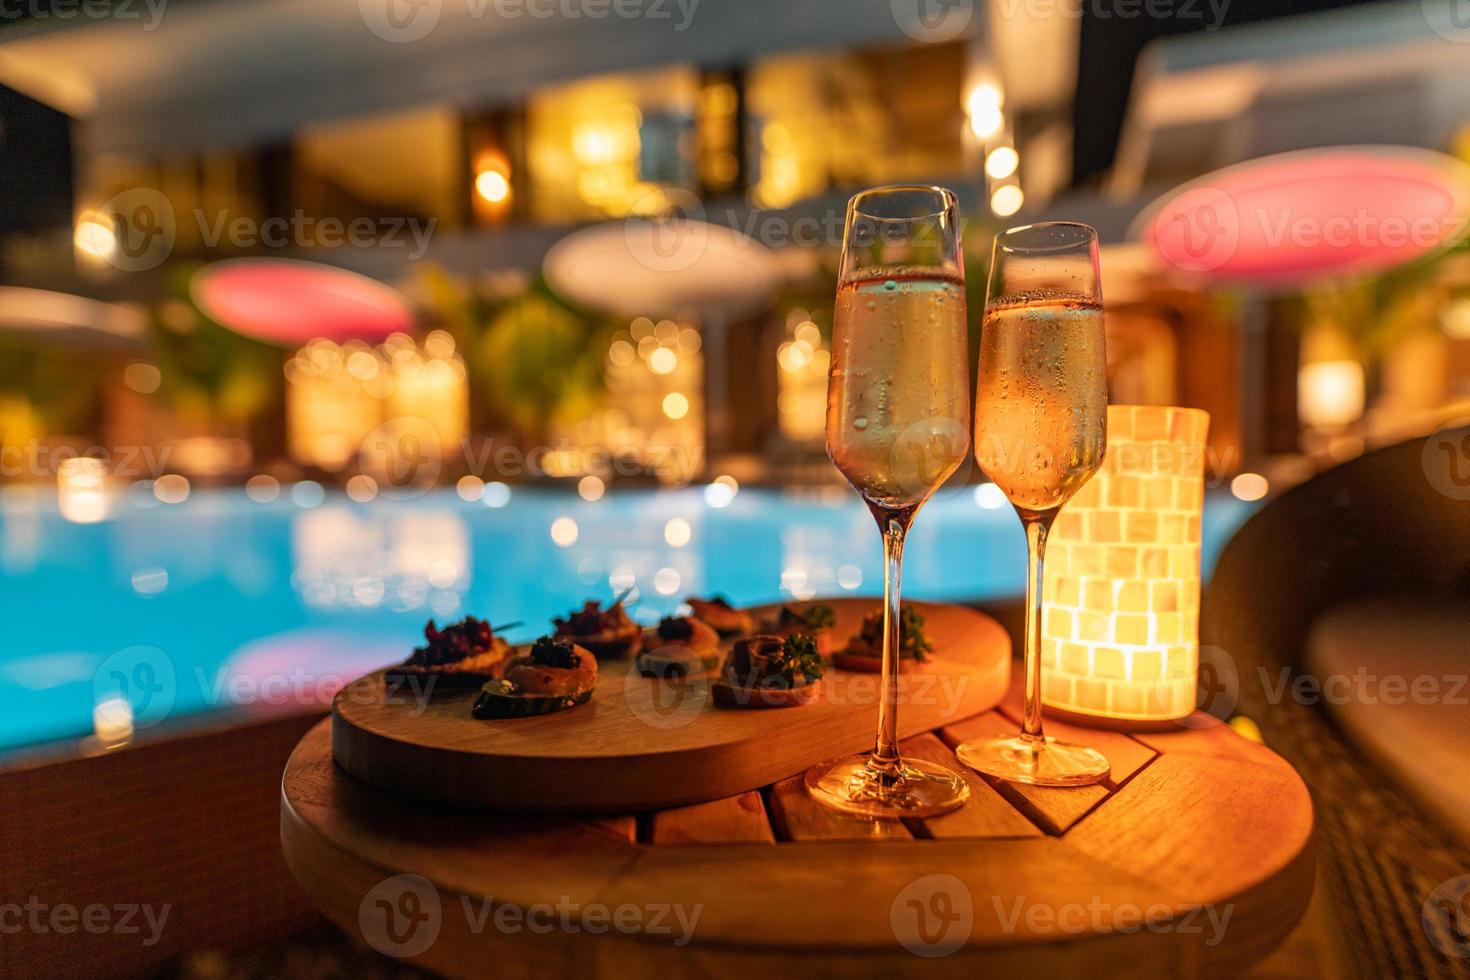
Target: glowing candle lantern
{"x":81,"y":489}
{"x":1120,"y":637}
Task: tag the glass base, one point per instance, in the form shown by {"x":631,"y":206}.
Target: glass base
{"x":917,"y":789}
{"x":1038,"y":762}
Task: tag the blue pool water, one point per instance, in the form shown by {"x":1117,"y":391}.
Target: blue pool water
{"x":222,"y":602}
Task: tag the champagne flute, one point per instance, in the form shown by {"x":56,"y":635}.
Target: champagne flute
{"x":897,"y":427}
{"x":1041,"y":410}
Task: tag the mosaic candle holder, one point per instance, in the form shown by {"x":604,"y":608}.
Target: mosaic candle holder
{"x":1120,"y":630}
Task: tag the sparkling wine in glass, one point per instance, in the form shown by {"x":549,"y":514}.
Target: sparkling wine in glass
{"x":1041,"y":410}
{"x":897,"y":428}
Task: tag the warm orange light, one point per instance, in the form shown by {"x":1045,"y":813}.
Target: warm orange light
{"x":493,"y":186}
{"x":1120,"y":633}
{"x":1002,"y":162}
{"x":81,"y":489}
{"x":1007,"y":200}
{"x":1330,"y":393}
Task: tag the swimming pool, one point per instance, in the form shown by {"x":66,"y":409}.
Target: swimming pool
{"x":220,"y":601}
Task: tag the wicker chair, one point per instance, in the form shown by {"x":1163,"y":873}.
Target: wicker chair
{"x":1375,"y":525}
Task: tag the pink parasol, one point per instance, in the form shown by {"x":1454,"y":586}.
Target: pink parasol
{"x":1289,"y":219}
{"x":289,"y":302}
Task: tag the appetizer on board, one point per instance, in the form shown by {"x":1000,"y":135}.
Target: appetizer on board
{"x":680,"y":646}
{"x":555,"y":674}
{"x":608,"y":633}
{"x":460,"y":656}
{"x":864,"y":650}
{"x":723,"y":617}
{"x":768,"y":671}
{"x":812,"y":620}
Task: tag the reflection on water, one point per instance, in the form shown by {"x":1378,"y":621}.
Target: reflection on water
{"x":346,"y":557}
{"x":272,"y":601}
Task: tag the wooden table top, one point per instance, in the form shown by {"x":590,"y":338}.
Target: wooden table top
{"x":1193,"y":859}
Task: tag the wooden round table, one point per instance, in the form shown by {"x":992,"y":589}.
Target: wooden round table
{"x":1194,"y":859}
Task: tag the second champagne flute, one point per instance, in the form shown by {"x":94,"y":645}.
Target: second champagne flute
{"x":1041,"y":419}
{"x":897,"y":427}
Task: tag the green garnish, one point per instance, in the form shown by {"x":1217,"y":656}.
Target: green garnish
{"x":800,"y":664}
{"x":819,"y":618}
{"x":912,"y":643}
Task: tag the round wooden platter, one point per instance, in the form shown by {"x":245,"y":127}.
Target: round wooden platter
{"x":643,"y":743}
{"x":1193,"y":859}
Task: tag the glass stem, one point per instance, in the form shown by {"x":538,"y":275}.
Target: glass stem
{"x":885,"y":753}
{"x":1037,"y":526}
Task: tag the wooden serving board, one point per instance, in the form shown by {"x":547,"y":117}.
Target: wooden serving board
{"x":642,"y":743}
